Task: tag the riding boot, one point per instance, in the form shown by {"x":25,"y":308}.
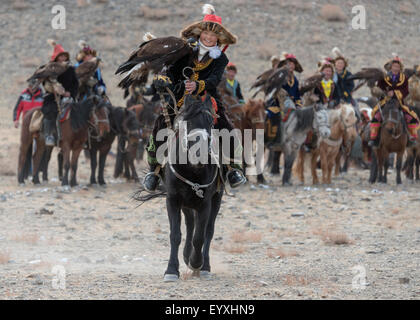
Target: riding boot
{"x":49,"y":126}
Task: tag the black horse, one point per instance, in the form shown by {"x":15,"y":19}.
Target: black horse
{"x":123,"y":123}
{"x":192,"y":187}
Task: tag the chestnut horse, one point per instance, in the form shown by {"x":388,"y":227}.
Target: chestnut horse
{"x":393,"y":138}
{"x":342,"y":121}
{"x":89,"y":113}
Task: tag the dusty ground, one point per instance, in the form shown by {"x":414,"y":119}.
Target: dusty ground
{"x":270,"y":242}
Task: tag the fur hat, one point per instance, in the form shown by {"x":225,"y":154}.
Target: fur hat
{"x":290,"y":57}
{"x":326,"y":62}
{"x":231,"y":66}
{"x":85,"y":50}
{"x":394,"y":58}
{"x":57,"y":50}
{"x":337,"y":55}
{"x":210,"y":22}
{"x":275,"y":61}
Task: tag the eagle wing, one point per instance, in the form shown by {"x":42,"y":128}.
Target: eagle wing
{"x":152,"y":56}
{"x":310,"y":83}
{"x":270,"y":81}
{"x":370,"y":75}
{"x":50,"y":70}
{"x":87,"y":69}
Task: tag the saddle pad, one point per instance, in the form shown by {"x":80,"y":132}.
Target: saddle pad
{"x":65,"y":113}
{"x":36,"y":121}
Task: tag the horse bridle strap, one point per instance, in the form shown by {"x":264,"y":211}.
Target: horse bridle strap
{"x":333,"y":143}
{"x":197,"y":188}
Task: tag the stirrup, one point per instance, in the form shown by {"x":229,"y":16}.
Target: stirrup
{"x":242,"y":179}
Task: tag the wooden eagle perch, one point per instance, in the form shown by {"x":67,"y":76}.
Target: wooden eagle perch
{"x":153,"y":55}
{"x":270,"y":82}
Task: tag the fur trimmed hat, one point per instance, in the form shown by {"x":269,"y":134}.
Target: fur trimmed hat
{"x":285,"y":56}
{"x":231,"y":66}
{"x":326,"y":62}
{"x":85,"y":50}
{"x":275,"y":61}
{"x":57,"y":50}
{"x":210,"y":22}
{"x":396,"y":59}
{"x":337,"y":55}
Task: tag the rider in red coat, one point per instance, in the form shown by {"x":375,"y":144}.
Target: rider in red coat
{"x":30,"y":98}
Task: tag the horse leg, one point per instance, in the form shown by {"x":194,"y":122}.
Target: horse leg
{"x":130,"y":162}
{"x":314,"y":161}
{"x":24,"y":147}
{"x":60,"y":161}
{"x":102,"y":159}
{"x":409,"y":167}
{"x":66,"y":165}
{"x":200,"y":224}
{"x":300,"y":165}
{"x":288,"y":164}
{"x":418,"y":167}
{"x":338,"y":163}
{"x":174,"y":214}
{"x":74,"y":158}
{"x":216,"y":202}
{"x":189,"y":226}
{"x":275,"y":168}
{"x":93,"y":164}
{"x":324,"y":166}
{"x":45,"y":161}
{"x":386,"y":166}
{"x":37,"y":160}
{"x":28,"y":162}
{"x":399,"y":166}
{"x":373,"y":168}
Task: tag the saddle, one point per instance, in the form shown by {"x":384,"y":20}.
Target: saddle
{"x":36,"y":121}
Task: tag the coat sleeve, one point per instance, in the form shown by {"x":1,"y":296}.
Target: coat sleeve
{"x":17,"y":109}
{"x":98,"y":76}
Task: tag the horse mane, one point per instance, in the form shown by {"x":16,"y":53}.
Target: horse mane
{"x":195,"y":107}
{"x":80,"y":113}
{"x":334,"y":115}
{"x":305,"y":117}
{"x":348,"y":111}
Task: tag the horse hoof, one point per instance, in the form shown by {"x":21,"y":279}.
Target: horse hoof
{"x":170,"y":278}
{"x":194,"y":269}
{"x":206,"y":275}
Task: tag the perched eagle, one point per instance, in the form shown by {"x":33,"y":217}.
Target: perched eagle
{"x":310,"y":83}
{"x":270,"y":82}
{"x":87,"y":69}
{"x":49,"y":71}
{"x":153,"y":55}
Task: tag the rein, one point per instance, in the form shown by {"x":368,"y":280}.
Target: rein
{"x":197,"y":188}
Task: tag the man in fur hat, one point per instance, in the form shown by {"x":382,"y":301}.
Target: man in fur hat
{"x":209,"y":65}
{"x":232,"y":84}
{"x":69,"y":82}
{"x":86,"y":53}
{"x":291,"y":87}
{"x":394,"y":85}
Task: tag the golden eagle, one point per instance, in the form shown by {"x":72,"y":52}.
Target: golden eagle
{"x":153,"y":55}
{"x":49,"y":71}
{"x":271,"y":81}
{"x":86,"y":70}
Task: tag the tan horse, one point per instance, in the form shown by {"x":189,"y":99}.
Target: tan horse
{"x":342,"y":121}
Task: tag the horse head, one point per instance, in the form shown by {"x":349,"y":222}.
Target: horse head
{"x":392,"y":117}
{"x":320,"y":122}
{"x":131,"y":127}
{"x":99,"y":115}
{"x":193,"y":128}
{"x":255,"y":114}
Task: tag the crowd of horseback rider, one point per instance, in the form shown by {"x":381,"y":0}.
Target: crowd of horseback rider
{"x":208,"y":65}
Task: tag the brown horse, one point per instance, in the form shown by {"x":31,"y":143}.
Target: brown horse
{"x":254,"y":119}
{"x":342,"y":121}
{"x":413,"y":152}
{"x":40,"y":159}
{"x":234,"y":109}
{"x":89,"y":113}
{"x":393,"y":138}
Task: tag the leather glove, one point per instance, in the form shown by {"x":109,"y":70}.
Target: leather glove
{"x":161,"y":82}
